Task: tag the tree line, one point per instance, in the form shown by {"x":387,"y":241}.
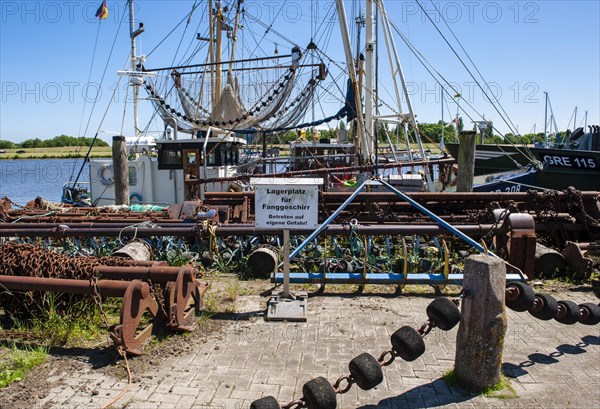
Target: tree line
{"x":56,"y":142}
{"x":430,"y":132}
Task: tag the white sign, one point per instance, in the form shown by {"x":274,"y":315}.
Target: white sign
{"x":286,"y":203}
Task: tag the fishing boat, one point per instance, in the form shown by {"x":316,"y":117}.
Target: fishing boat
{"x":575,"y":163}
{"x":571,"y":160}
{"x":212,"y":109}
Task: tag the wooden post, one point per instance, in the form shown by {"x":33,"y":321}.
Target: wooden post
{"x":480,"y":337}
{"x":466,"y":161}
{"x":120,"y":166}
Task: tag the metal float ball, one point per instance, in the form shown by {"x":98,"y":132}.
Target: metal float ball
{"x":318,"y":393}
{"x":366,"y":371}
{"x":268,"y":402}
{"x":568,"y":312}
{"x":443,"y":313}
{"x":544,"y":307}
{"x":589,"y":313}
{"x":519,"y":296}
{"x":407,"y":343}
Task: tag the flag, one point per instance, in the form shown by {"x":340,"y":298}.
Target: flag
{"x":102,"y":12}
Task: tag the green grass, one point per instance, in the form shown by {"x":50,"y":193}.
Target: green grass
{"x":51,"y":153}
{"x":15,"y":363}
{"x":76,"y":324}
{"x":502,"y":390}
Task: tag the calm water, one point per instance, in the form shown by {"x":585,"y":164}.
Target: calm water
{"x":25,"y":179}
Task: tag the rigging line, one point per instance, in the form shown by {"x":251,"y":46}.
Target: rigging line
{"x":427,"y":64}
{"x":258,"y":46}
{"x":100,"y":125}
{"x":125,"y":111}
{"x":104,"y":73}
{"x":85,"y":99}
{"x":312,"y":23}
{"x":270,"y":27}
{"x":465,"y":66}
{"x":198,"y":47}
{"x":253,"y":36}
{"x":472,"y":62}
{"x":323,"y":111}
{"x":186,"y":17}
{"x":187,"y":24}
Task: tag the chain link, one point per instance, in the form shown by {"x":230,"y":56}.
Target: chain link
{"x":382,"y":359}
{"x":98,"y":301}
{"x":426,"y":328}
{"x":337,"y":385}
{"x":296,"y":404}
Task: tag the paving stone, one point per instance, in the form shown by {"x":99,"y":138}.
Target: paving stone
{"x":548,"y":364}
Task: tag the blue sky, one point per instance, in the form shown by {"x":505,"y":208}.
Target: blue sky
{"x":522,"y":48}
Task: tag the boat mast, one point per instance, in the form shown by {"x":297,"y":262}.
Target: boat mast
{"x":350,"y":64}
{"x":136,"y":85}
{"x":552,"y":117}
{"x":546,"y":120}
{"x":369,"y":100}
{"x":234,"y":34}
{"x":219,"y":39}
{"x":211,"y":55}
{"x":397,"y":70}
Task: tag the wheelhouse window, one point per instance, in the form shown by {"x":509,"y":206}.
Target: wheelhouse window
{"x":169,"y":158}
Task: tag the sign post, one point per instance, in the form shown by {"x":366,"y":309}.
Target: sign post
{"x":286,"y":264}
{"x":287,"y":204}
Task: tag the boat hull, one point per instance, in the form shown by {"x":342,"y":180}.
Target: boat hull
{"x":562,"y":168}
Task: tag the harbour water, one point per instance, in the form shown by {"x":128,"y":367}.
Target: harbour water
{"x":23,"y":180}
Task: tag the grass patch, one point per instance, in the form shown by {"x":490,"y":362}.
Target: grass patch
{"x":64,"y":319}
{"x":16,"y":362}
{"x":450,"y":378}
{"x":502,"y":390}
{"x":57,"y":153}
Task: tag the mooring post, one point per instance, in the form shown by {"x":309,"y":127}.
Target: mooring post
{"x":120,"y":166}
{"x":480,"y":337}
{"x":466,"y":161}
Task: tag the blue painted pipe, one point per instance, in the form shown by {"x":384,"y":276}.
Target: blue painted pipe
{"x":329,"y":220}
{"x":437,"y":219}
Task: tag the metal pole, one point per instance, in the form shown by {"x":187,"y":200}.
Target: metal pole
{"x":369,"y":100}
{"x":286,"y":263}
{"x":136,"y":86}
{"x":350,"y":64}
{"x":329,"y":220}
{"x":437,"y":219}
{"x":546,"y":120}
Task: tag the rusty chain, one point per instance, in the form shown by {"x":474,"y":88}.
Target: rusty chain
{"x":98,"y":301}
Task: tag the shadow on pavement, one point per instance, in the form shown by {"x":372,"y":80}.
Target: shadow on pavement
{"x":431,"y":395}
{"x":514,"y":371}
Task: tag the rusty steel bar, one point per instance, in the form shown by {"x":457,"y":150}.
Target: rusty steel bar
{"x":106,"y":288}
{"x":146,"y":263}
{"x":251,"y":230}
{"x":386,"y":196}
{"x":103,"y":225}
{"x":93,"y":220}
{"x":157,"y":274}
{"x":102,"y":232}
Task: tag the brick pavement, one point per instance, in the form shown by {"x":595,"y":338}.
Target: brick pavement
{"x":549,"y":364}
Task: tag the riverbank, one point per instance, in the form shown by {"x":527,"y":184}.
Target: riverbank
{"x":65,"y":152}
